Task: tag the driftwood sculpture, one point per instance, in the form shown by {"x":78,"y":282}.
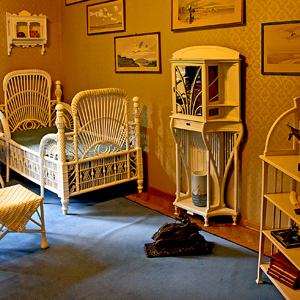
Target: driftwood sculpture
{"x":178,"y":238}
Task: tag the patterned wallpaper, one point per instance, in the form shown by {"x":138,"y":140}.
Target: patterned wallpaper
{"x":265,"y":96}
{"x":84,"y":62}
{"x":31,"y":58}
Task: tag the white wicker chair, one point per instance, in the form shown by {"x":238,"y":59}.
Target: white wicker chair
{"x":18,"y":205}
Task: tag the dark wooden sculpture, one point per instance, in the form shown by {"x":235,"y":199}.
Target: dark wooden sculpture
{"x":178,"y":238}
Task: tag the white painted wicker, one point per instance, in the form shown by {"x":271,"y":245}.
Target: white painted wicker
{"x":27,"y":97}
{"x":100,"y":148}
{"x":17,"y":207}
{"x":27,"y":105}
{"x":103,"y":150}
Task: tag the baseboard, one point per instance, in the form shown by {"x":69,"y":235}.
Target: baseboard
{"x":161,"y":193}
{"x":171,"y":197}
{"x":249,"y":224}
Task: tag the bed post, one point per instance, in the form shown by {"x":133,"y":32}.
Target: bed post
{"x":63,"y":184}
{"x":139,"y":166}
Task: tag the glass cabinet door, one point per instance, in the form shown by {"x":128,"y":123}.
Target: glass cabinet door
{"x":188,"y":89}
{"x":213,"y":89}
{"x":213,"y":84}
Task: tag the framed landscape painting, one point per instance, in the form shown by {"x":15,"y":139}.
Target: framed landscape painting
{"x":281,"y":48}
{"x":193,"y":14}
{"x":69,"y":2}
{"x":138,"y":53}
{"x":108,"y":16}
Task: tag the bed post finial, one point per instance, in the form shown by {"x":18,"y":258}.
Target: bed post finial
{"x":58,"y":91}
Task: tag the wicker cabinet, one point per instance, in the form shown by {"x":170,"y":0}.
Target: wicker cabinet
{"x":207,"y":128}
{"x":280,"y":175}
{"x":26,"y":30}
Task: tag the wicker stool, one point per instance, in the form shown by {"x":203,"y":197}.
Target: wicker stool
{"x":17,"y":206}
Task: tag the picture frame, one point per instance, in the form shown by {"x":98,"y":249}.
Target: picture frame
{"x":281,"y":236}
{"x":280,"y":52}
{"x":70,"y":2}
{"x":139,"y":53}
{"x":187,"y":15}
{"x":105,"y":17}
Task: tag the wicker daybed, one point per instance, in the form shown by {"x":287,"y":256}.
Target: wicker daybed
{"x":66,"y":149}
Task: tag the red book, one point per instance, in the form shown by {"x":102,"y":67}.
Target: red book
{"x":293,"y":285}
{"x":280,"y":260}
{"x":284,"y":271}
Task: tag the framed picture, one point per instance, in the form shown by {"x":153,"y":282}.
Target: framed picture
{"x":69,"y":2}
{"x":138,"y":53}
{"x":108,"y":16}
{"x":190,"y":14}
{"x":281,"y":48}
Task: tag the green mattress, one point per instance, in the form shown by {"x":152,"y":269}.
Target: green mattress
{"x":31,"y":138}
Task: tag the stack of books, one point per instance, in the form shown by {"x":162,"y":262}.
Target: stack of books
{"x":282,"y":270}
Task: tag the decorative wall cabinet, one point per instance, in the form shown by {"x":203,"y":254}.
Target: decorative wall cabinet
{"x":207,"y":128}
{"x":26,"y":30}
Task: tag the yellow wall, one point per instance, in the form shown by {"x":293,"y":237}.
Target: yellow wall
{"x":31,"y":58}
{"x":85,"y":62}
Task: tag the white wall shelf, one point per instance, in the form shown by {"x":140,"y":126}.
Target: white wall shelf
{"x":25,"y":29}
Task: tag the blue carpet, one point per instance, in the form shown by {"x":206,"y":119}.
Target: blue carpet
{"x":97,"y":252}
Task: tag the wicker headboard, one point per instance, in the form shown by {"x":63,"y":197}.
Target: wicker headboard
{"x":27,"y":96}
{"x":100,"y":120}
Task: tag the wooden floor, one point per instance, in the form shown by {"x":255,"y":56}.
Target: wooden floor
{"x":220,"y":226}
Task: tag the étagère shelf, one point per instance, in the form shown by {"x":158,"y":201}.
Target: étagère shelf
{"x":24,"y":29}
{"x":207,"y":128}
{"x":280,"y":175}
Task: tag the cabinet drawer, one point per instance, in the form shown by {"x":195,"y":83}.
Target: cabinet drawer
{"x":188,"y":125}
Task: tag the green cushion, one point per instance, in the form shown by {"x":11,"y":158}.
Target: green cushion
{"x":31,"y":138}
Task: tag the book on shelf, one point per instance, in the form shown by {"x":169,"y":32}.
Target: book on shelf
{"x":292,"y":284}
{"x":284,"y":271}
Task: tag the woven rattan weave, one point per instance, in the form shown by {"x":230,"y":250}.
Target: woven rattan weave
{"x":17,"y":206}
{"x":95,"y":144}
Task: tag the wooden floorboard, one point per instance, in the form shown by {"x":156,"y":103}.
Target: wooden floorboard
{"x":220,"y":226}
